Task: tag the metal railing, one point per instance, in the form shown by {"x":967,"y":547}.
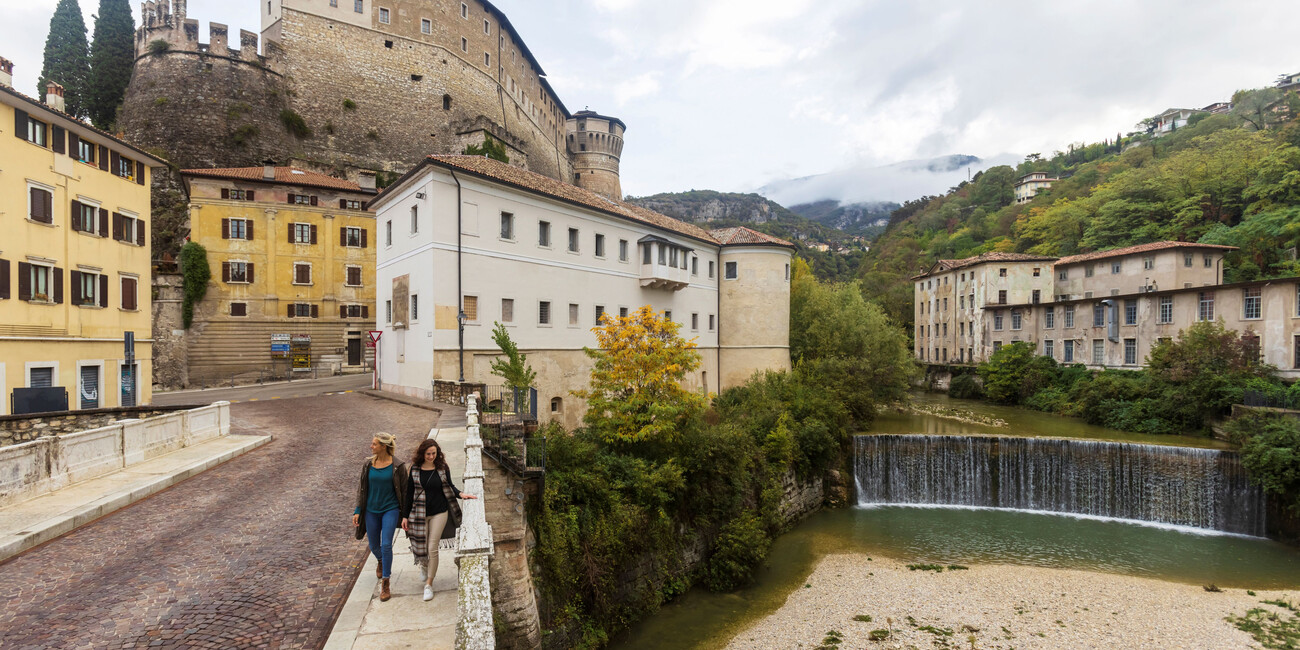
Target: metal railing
{"x":1273,"y":400}
{"x":508,"y":419}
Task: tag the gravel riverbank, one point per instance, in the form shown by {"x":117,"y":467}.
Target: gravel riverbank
{"x":1002,"y":607}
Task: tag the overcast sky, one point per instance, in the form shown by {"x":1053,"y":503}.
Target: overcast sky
{"x":732,"y":94}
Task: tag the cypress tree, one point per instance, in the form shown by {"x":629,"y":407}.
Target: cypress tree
{"x":65,"y":57}
{"x":112,"y":54}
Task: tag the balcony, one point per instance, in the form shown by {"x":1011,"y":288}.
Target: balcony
{"x":662,"y":276}
{"x":664,"y":265}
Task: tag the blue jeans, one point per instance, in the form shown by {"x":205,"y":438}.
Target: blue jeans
{"x":380,"y":528}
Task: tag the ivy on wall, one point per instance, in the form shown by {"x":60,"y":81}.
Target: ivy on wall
{"x":195,"y":272}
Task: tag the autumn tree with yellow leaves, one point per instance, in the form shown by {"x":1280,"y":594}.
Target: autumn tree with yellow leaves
{"x":636,"y":393}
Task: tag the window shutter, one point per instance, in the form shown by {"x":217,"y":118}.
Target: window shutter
{"x":20,"y":124}
{"x":103,"y":157}
{"x":4,"y":279}
{"x":290,"y":199}
{"x":365,"y":311}
{"x":74,"y":145}
{"x":225,"y":272}
{"x":343,"y":203}
{"x":313,"y":234}
{"x":49,"y":206}
{"x":76,"y":287}
{"x":103,"y":291}
{"x":128,"y":293}
{"x":24,"y":281}
{"x":315,"y":311}
{"x":59,"y":139}
{"x":116,"y":162}
{"x":139,"y":232}
{"x":343,"y":311}
{"x":34,"y":196}
{"x":343,"y":235}
{"x":290,"y":233}
{"x":225,"y":192}
{"x":363,"y":237}
{"x":248,"y":195}
{"x":313,"y":200}
{"x":117,"y":227}
{"x":139,"y":173}
{"x":58,"y":286}
{"x":225,"y":229}
{"x":248,"y":272}
{"x":103,"y":222}
{"x":248,"y":230}
{"x":76,"y":216}
{"x":290,"y":313}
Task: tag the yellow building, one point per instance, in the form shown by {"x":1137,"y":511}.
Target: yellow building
{"x":74,"y":259}
{"x":292,"y":255}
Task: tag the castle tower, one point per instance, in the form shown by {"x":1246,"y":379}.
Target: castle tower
{"x":753,"y":304}
{"x":595,"y":143}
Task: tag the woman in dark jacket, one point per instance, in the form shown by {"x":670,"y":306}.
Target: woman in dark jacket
{"x":381,"y":498}
{"x":430,"y":512}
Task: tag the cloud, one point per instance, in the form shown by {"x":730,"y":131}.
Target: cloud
{"x":636,"y":87}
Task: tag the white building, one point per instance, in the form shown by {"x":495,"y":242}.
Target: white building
{"x":547,"y":259}
{"x":1029,"y":185}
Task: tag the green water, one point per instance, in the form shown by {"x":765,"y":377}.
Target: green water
{"x":700,"y":619}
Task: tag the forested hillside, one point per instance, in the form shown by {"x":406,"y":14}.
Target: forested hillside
{"x":865,"y":219}
{"x":1225,"y":179}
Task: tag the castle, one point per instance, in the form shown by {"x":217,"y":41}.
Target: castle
{"x":349,"y":86}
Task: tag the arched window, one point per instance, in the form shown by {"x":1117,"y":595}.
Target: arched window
{"x":446,"y":102}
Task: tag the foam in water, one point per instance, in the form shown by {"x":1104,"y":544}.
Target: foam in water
{"x":1175,"y":486}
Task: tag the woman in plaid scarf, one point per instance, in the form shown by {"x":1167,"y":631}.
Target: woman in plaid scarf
{"x":430,"y":503}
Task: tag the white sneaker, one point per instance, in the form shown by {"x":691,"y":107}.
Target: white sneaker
{"x":428,"y":592}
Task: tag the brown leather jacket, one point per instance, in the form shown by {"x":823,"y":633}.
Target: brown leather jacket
{"x":400,"y":477}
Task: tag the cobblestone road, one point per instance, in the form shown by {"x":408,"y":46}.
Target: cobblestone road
{"x":255,"y":553}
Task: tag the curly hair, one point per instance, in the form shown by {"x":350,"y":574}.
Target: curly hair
{"x":418,"y":459}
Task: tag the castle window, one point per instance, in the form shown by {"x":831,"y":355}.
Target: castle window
{"x":573,"y":240}
{"x":487,"y":27}
{"x":446,"y":102}
{"x":487,"y":60}
{"x":358,"y":6}
{"x":710,"y":322}
{"x":383,"y":16}
{"x":544,"y":234}
{"x":426,"y":26}
{"x":507,"y":226}
{"x":557,"y":405}
{"x":729,"y":270}
{"x":464,"y":10}
{"x":695,"y":322}
{"x":582,"y":147}
{"x":464,"y":44}
{"x":710,"y":271}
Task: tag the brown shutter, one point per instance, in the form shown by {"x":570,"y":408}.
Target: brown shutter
{"x":20,"y":124}
{"x":34,"y":199}
{"x":49,"y":206}
{"x":248,"y":272}
{"x":128,"y":293}
{"x":343,"y":235}
{"x":76,"y":221}
{"x":248,"y":230}
{"x":313,"y":199}
{"x":289,"y":199}
{"x":76,"y":287}
{"x":60,"y":139}
{"x":363,"y":237}
{"x":4,"y":279}
{"x":365,"y":311}
{"x":225,"y":272}
{"x":343,"y":203}
{"x":290,"y":314}
{"x":58,"y":286}
{"x":343,"y":311}
{"x":103,"y":157}
{"x":139,"y":231}
{"x":313,"y":234}
{"x":24,"y":281}
{"x":139,"y":173}
{"x":103,"y":290}
{"x":290,"y":233}
{"x":225,"y":192}
{"x":248,"y":195}
{"x":225,"y":229}
{"x":315,"y":311}
{"x":103,"y":222}
{"x":116,"y":162}
{"x":74,"y":145}
{"x":117,"y":227}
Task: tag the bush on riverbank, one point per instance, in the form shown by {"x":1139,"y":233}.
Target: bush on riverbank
{"x":1270,"y":451}
{"x":1188,"y":382}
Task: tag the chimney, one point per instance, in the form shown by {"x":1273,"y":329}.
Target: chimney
{"x":54,"y":96}
{"x":366,"y":179}
{"x":268,"y":173}
{"x":6,"y":72}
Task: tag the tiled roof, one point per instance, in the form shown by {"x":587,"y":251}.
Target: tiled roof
{"x":742,"y":235}
{"x":31,"y":101}
{"x":283,"y":175}
{"x":1140,"y":248}
{"x":498,"y":171}
{"x":991,"y":256}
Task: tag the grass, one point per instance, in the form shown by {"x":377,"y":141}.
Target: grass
{"x":1270,"y":629}
{"x":937,"y":568}
{"x":863,"y":618}
{"x":832,"y":641}
{"x":1213,"y":588}
{"x":937,"y":631}
{"x":878,"y":635}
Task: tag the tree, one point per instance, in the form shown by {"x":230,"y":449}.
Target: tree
{"x":65,"y":57}
{"x":635,"y":393}
{"x":491,"y":147}
{"x":112,"y":55}
{"x":1255,"y":107}
{"x":514,"y":368}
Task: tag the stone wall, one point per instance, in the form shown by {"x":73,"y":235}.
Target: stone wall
{"x":452,"y":392}
{"x":514,"y":596}
{"x":15,"y":429}
{"x":170,"y":349}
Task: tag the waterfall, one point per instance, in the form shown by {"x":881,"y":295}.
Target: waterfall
{"x":1200,"y":488}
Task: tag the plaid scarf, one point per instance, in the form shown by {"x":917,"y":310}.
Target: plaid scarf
{"x":418,"y":521}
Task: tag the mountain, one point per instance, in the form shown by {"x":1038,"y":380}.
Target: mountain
{"x":712,"y":209}
{"x":868,"y":219}
{"x":896,"y":183}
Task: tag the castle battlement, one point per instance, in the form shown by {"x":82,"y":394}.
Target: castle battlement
{"x":165,"y":21}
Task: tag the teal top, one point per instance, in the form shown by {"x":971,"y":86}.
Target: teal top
{"x":380,"y":497}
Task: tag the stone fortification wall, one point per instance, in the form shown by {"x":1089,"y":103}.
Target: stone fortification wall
{"x":169,"y":343}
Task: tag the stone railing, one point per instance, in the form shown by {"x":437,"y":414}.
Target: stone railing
{"x":474,"y":628}
{"x":48,"y":463}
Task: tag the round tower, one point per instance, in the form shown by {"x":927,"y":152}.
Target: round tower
{"x":595,"y":143}
{"x":753,"y":304}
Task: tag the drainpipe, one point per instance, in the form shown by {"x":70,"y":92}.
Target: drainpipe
{"x":718,"y":350}
{"x":460,"y":299}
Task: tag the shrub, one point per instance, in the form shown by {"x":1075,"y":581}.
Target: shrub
{"x":349,"y":105}
{"x":244,"y":134}
{"x":491,"y":147}
{"x":965,"y":386}
{"x":1270,"y":451}
{"x":1006,"y":371}
{"x":742,"y":545}
{"x":159,"y":46}
{"x":295,"y":123}
{"x":195,"y":274}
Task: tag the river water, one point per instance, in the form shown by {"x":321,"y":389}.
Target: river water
{"x":964,"y":534}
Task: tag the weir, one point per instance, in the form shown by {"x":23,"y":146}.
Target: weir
{"x":1199,"y":488}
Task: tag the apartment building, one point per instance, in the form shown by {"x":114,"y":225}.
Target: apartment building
{"x":466,"y":241}
{"x":74,"y":260}
{"x":1029,"y":185}
{"x":292,"y":257}
{"x":951,"y":295}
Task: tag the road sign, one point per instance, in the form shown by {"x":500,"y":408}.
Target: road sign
{"x":280,"y":346}
{"x":374,"y":337}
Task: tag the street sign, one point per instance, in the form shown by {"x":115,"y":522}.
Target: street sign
{"x":300,"y":347}
{"x":280,"y":346}
{"x":374,"y":337}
